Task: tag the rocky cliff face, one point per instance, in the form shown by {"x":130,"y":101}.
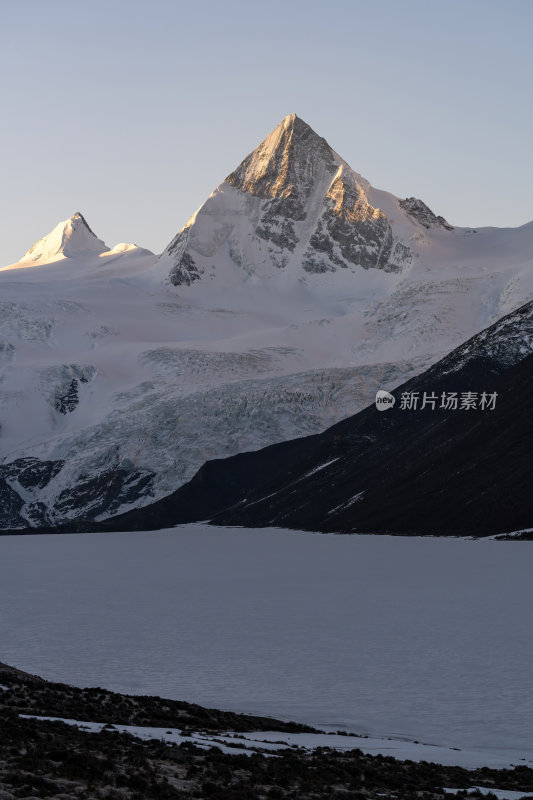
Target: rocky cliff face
{"x":419,"y":211}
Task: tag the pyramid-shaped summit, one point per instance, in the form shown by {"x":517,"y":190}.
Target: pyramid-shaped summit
{"x":293,"y":206}
{"x":69,"y":238}
{"x":287,"y":163}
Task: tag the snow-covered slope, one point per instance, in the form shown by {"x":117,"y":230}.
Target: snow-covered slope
{"x":392,"y":277}
{"x":69,"y":238}
{"x":294,"y":293}
{"x":73,"y":245}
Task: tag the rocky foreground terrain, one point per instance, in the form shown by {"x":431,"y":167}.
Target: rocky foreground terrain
{"x":51,"y":759}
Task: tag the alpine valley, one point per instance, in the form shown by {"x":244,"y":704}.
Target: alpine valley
{"x":293,"y":294}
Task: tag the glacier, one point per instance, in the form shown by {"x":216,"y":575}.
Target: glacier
{"x":294,"y":294}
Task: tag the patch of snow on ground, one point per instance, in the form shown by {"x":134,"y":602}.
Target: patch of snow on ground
{"x":320,"y":467}
{"x":272,"y":741}
{"x":501,"y":794}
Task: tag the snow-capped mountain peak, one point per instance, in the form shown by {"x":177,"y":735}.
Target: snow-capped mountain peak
{"x":295,"y":208}
{"x":297,"y":291}
{"x":69,"y":238}
{"x":286,"y":164}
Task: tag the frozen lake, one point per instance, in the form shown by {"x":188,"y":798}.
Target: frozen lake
{"x":428,"y":639}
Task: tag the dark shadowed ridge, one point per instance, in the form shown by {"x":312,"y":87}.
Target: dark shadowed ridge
{"x":425,"y":472}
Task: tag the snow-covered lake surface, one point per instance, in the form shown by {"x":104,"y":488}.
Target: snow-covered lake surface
{"x":426,"y":639}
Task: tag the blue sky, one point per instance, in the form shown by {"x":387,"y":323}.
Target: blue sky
{"x":132,"y":112}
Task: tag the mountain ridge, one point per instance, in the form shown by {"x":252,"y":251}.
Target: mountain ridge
{"x":116,"y":385}
{"x":302,"y":199}
{"x":362,"y":474}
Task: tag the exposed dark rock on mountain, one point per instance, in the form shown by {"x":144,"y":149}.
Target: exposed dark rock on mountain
{"x":21,"y":479}
{"x":10,"y":507}
{"x":420,"y":211}
{"x":68,"y":402}
{"x":22,"y":482}
{"x":104,"y":493}
{"x":31,"y":473}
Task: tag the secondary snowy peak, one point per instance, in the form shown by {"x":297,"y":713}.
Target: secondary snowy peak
{"x":69,"y":238}
{"x":294,"y":206}
{"x":127,"y":247}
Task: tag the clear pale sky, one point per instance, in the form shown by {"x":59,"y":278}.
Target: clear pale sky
{"x":132,"y":112}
